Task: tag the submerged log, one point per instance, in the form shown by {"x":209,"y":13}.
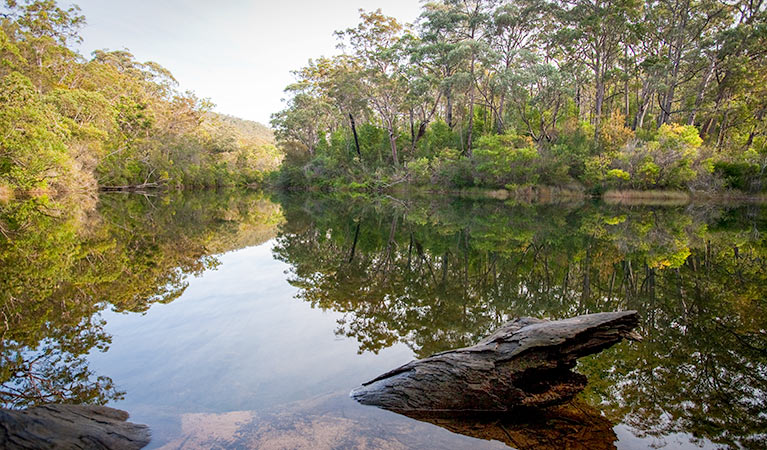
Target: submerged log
{"x":70,"y":426}
{"x":527,"y":362}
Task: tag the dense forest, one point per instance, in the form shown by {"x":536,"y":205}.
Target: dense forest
{"x":70,"y":123}
{"x":626,"y":94}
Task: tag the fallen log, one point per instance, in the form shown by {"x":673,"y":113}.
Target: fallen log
{"x":527,"y":362}
{"x":70,"y":426}
{"x":130,"y":187}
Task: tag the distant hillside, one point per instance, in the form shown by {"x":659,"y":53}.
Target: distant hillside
{"x":258,"y":133}
{"x":239,"y":141}
{"x":77,"y":124}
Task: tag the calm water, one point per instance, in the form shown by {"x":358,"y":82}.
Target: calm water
{"x":236,"y":320}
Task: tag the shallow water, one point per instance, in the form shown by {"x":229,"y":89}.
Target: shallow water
{"x":238,"y":319}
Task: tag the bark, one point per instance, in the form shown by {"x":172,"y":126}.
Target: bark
{"x":70,"y":426}
{"x":525,"y":363}
{"x":675,"y":56}
{"x":701,"y":92}
{"x":393,"y":143}
{"x":471,"y":112}
{"x":599,"y":100}
{"x":356,"y":139}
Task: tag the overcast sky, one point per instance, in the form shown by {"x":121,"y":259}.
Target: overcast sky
{"x":238,"y":53}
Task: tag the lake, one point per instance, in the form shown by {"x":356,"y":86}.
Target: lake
{"x":244,"y":319}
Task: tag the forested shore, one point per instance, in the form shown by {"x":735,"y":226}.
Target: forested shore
{"x":70,"y":123}
{"x":586,"y":95}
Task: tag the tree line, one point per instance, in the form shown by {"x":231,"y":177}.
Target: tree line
{"x":606,"y":93}
{"x":71,"y":123}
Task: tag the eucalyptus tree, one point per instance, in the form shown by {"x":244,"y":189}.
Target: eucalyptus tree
{"x":302,"y":121}
{"x":425,"y":88}
{"x":591,"y":33}
{"x":472,"y":29}
{"x":43,"y":32}
{"x":376,"y":45}
{"x":515,"y":29}
{"x":539,"y":94}
{"x":681,"y":27}
{"x":738,"y":62}
{"x":437,"y":52}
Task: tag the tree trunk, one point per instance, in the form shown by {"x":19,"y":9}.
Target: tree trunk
{"x":675,"y":55}
{"x":701,"y":93}
{"x":471,"y":111}
{"x":499,"y":125}
{"x":356,"y":139}
{"x":393,"y":143}
{"x":599,"y":98}
{"x":526,"y":362}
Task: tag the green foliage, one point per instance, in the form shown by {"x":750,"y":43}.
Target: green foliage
{"x":68,"y":124}
{"x":32,"y":146}
{"x":419,"y":171}
{"x":671,"y":160}
{"x":505,"y":159}
{"x":569,"y":76}
{"x":452,"y":169}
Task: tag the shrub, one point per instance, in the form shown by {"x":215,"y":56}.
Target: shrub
{"x":452,"y":169}
{"x":419,"y":171}
{"x":671,"y":160}
{"x":505,"y":159}
{"x":614,"y":133}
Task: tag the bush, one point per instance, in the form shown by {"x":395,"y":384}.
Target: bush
{"x":671,"y":160}
{"x":505,"y":159}
{"x":452,"y":169}
{"x":614,"y":133}
{"x":419,"y":171}
{"x":740,"y":175}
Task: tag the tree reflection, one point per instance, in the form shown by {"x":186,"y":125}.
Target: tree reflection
{"x":63,"y":264}
{"x":441,"y":274}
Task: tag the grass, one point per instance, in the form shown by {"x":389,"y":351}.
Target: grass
{"x":655,"y":197}
{"x":678,"y":198}
{"x":6,"y":194}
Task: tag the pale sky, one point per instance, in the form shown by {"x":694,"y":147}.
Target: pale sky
{"x":238,"y":53}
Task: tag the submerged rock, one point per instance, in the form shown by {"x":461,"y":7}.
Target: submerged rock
{"x":526,"y":363}
{"x":71,"y":427}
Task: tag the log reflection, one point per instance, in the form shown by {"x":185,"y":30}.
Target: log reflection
{"x":573,"y":425}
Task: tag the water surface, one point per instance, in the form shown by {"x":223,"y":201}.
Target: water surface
{"x":239,"y":319}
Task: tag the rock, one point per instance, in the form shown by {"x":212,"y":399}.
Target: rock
{"x":527,"y":362}
{"x":70,"y":427}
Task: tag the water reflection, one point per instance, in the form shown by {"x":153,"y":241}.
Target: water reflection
{"x":64,"y":263}
{"x":441,"y":274}
{"x":573,"y":425}
{"x":430,"y":274}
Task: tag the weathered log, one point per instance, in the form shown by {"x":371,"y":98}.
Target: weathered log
{"x":526,"y":362}
{"x":130,"y":187}
{"x":71,"y":427}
